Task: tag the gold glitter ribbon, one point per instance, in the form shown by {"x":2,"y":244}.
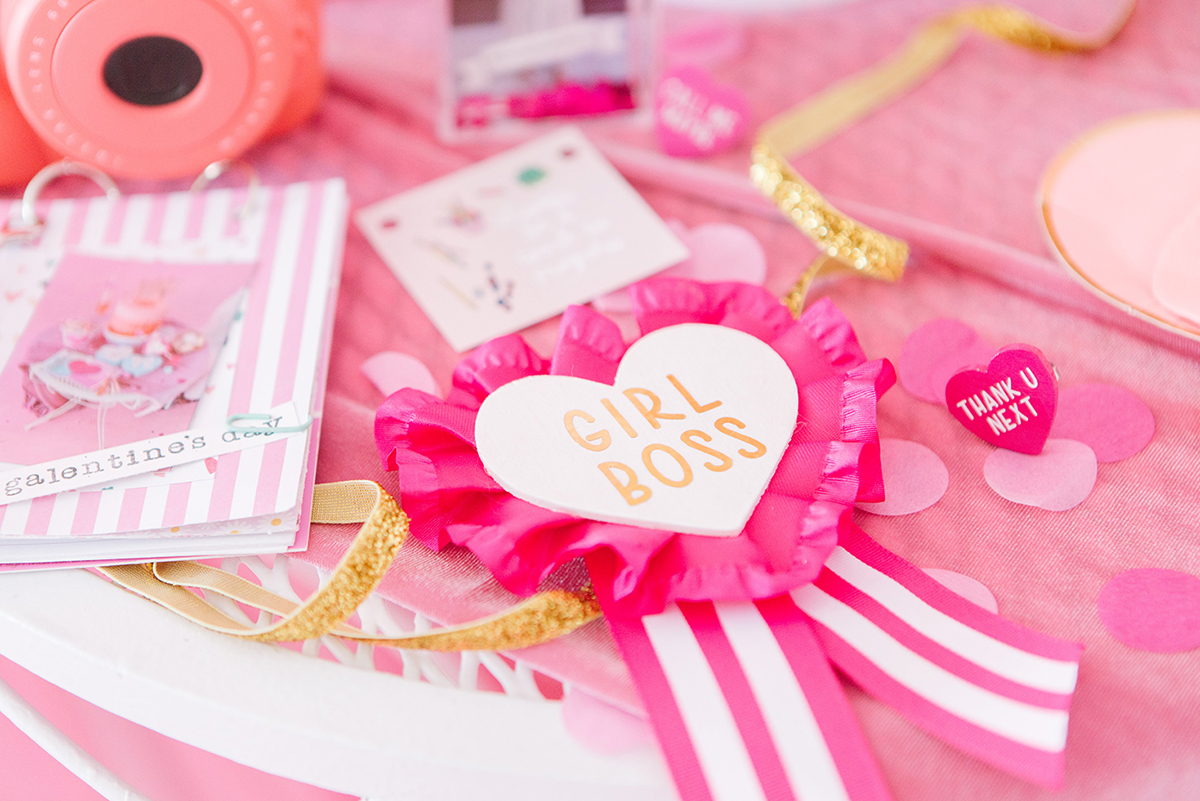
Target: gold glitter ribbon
{"x":535,"y":620}
{"x":845,"y":243}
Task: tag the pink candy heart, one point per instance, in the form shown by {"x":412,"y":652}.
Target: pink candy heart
{"x":695,"y":116}
{"x":1011,"y":403}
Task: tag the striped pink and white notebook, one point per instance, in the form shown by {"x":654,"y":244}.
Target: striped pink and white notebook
{"x":276,"y":262}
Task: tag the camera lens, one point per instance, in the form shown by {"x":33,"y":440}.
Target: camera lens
{"x":152,"y":70}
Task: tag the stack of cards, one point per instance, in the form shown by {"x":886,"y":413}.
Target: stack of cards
{"x":164,"y":361}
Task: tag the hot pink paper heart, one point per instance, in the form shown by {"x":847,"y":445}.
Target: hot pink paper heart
{"x":695,"y":116}
{"x":1011,"y":403}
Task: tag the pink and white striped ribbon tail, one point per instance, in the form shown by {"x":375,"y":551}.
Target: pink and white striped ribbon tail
{"x":984,"y":684}
{"x":746,"y":705}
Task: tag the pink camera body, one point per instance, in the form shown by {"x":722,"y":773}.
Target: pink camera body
{"x":152,"y":88}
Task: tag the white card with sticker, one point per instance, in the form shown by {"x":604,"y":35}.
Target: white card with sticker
{"x":517,"y":238}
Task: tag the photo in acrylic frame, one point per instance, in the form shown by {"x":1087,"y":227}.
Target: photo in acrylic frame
{"x":509,"y":64}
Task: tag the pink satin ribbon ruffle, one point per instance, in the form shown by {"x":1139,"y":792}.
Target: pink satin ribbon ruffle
{"x":831,"y":462}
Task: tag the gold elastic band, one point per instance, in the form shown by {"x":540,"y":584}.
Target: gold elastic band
{"x":384,"y":528}
{"x":844,"y":242}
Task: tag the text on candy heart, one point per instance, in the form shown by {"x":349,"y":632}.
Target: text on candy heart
{"x":1000,"y":400}
{"x":655,"y":455}
{"x":688,"y":113}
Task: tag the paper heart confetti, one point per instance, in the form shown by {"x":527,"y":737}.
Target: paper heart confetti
{"x":603,"y":727}
{"x":686,"y":439}
{"x":696,"y":116}
{"x":1010,"y":403}
{"x":914,"y":478}
{"x":1152,"y":609}
{"x":390,"y":371}
{"x":719,"y":252}
{"x":965,"y":587}
{"x":1059,"y":478}
{"x":934,"y":352}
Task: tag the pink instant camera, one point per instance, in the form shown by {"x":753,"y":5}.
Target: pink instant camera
{"x":151,"y":88}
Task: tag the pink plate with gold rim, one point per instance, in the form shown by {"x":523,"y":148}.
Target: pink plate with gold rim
{"x":1114,"y":200}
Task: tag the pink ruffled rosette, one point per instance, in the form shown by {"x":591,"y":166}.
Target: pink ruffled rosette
{"x":831,"y":462}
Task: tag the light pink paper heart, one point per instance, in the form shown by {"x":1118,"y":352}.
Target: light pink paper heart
{"x":1010,"y":403}
{"x":696,"y":116}
{"x":720,"y":252}
{"x":602,"y":727}
{"x":935,"y":351}
{"x":914,"y":478}
{"x":390,"y":371}
{"x":1059,"y":478}
{"x":1111,"y":420}
{"x":965,"y":587}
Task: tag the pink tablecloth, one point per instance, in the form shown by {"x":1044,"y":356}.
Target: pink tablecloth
{"x":954,"y":167}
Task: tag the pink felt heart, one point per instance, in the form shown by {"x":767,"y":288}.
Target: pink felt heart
{"x":695,"y":116}
{"x":210,"y":464}
{"x":1010,"y":403}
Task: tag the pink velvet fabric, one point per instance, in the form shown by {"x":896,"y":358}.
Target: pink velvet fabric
{"x":831,"y":462}
{"x":953,"y":166}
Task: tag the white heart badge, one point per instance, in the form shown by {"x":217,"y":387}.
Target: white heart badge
{"x":686,"y":439}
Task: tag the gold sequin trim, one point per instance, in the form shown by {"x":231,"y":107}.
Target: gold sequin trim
{"x":838,"y":236}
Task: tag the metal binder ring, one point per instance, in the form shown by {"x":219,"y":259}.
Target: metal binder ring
{"x":30,"y":224}
{"x":218,"y":168}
